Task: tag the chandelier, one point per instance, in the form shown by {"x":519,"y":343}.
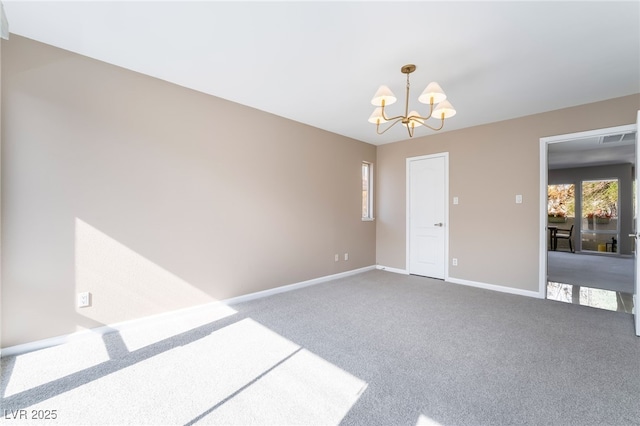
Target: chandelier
{"x":432,"y":95}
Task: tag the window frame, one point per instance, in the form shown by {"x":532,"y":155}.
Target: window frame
{"x":369,"y":205}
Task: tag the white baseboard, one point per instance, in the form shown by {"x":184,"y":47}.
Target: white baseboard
{"x":477,"y":284}
{"x":282,"y":289}
{"x":394,"y":270}
{"x":106,"y":329}
{"x":157,"y":319}
{"x":495,"y":287}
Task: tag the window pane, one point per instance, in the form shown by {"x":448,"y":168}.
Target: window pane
{"x":600,"y":215}
{"x":365,"y":190}
{"x":561,"y":201}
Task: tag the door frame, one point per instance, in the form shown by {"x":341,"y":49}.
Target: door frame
{"x":636,"y":258}
{"x":446,"y":209}
{"x":544,"y":165}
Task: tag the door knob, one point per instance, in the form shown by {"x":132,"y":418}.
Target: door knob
{"x":633,"y":235}
{"x":438,"y":224}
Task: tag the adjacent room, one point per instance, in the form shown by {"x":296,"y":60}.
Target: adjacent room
{"x":590,"y":215}
{"x":294,"y":213}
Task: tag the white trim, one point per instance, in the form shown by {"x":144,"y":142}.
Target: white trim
{"x":636,"y":275}
{"x":542,"y":221}
{"x":285,"y":288}
{"x":150,"y":320}
{"x":446,"y":208}
{"x":589,"y":134}
{"x":544,"y":164}
{"x":4,"y":23}
{"x":394,"y":270}
{"x":635,"y":307}
{"x":495,"y":287}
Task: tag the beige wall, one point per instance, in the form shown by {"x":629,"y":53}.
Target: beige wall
{"x":489,"y":165}
{"x":154,"y":197}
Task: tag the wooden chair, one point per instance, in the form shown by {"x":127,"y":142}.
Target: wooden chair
{"x":563,"y":234}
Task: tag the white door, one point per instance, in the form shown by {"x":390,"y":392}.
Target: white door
{"x":426,"y":215}
{"x":636,"y":294}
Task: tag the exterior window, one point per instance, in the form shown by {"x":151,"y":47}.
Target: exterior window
{"x":600,"y":230}
{"x":367,"y":191}
{"x":561,"y":203}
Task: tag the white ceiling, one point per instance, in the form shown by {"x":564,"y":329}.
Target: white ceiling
{"x":593,"y":151}
{"x":320,"y":63}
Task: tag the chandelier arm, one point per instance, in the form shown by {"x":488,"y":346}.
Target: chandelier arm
{"x":435,"y":128}
{"x":419,"y":116}
{"x":410,"y":129}
{"x":394,"y":118}
{"x":391,"y":118}
{"x":392,"y":124}
{"x":424,"y":118}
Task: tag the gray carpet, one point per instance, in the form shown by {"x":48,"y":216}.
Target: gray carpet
{"x":595,"y":271}
{"x":373,"y":349}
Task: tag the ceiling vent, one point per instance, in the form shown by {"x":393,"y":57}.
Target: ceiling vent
{"x":623,"y":138}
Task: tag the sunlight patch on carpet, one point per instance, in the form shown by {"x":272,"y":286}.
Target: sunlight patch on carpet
{"x":39,"y":367}
{"x":426,"y":421}
{"x":241,"y":368}
{"x":139,"y":337}
{"x":305,"y":389}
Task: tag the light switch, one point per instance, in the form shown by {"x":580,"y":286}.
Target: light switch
{"x":455,"y":200}
{"x":518,"y":199}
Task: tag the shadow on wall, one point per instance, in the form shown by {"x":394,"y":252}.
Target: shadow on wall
{"x":122,"y":283}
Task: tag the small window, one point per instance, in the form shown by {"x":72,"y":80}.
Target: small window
{"x":367,"y":191}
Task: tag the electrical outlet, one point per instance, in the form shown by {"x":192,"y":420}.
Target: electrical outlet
{"x":346,"y":256}
{"x":454,"y":261}
{"x":455,"y":200}
{"x":337,"y":257}
{"x":518,"y":199}
{"x":84,"y":299}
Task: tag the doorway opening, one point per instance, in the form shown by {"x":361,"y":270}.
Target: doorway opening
{"x":589,"y":199}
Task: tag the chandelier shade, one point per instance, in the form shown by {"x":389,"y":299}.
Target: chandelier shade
{"x":376,"y":117}
{"x":439,"y":108}
{"x":444,"y":110}
{"x":432,"y":94}
{"x":384,"y":96}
